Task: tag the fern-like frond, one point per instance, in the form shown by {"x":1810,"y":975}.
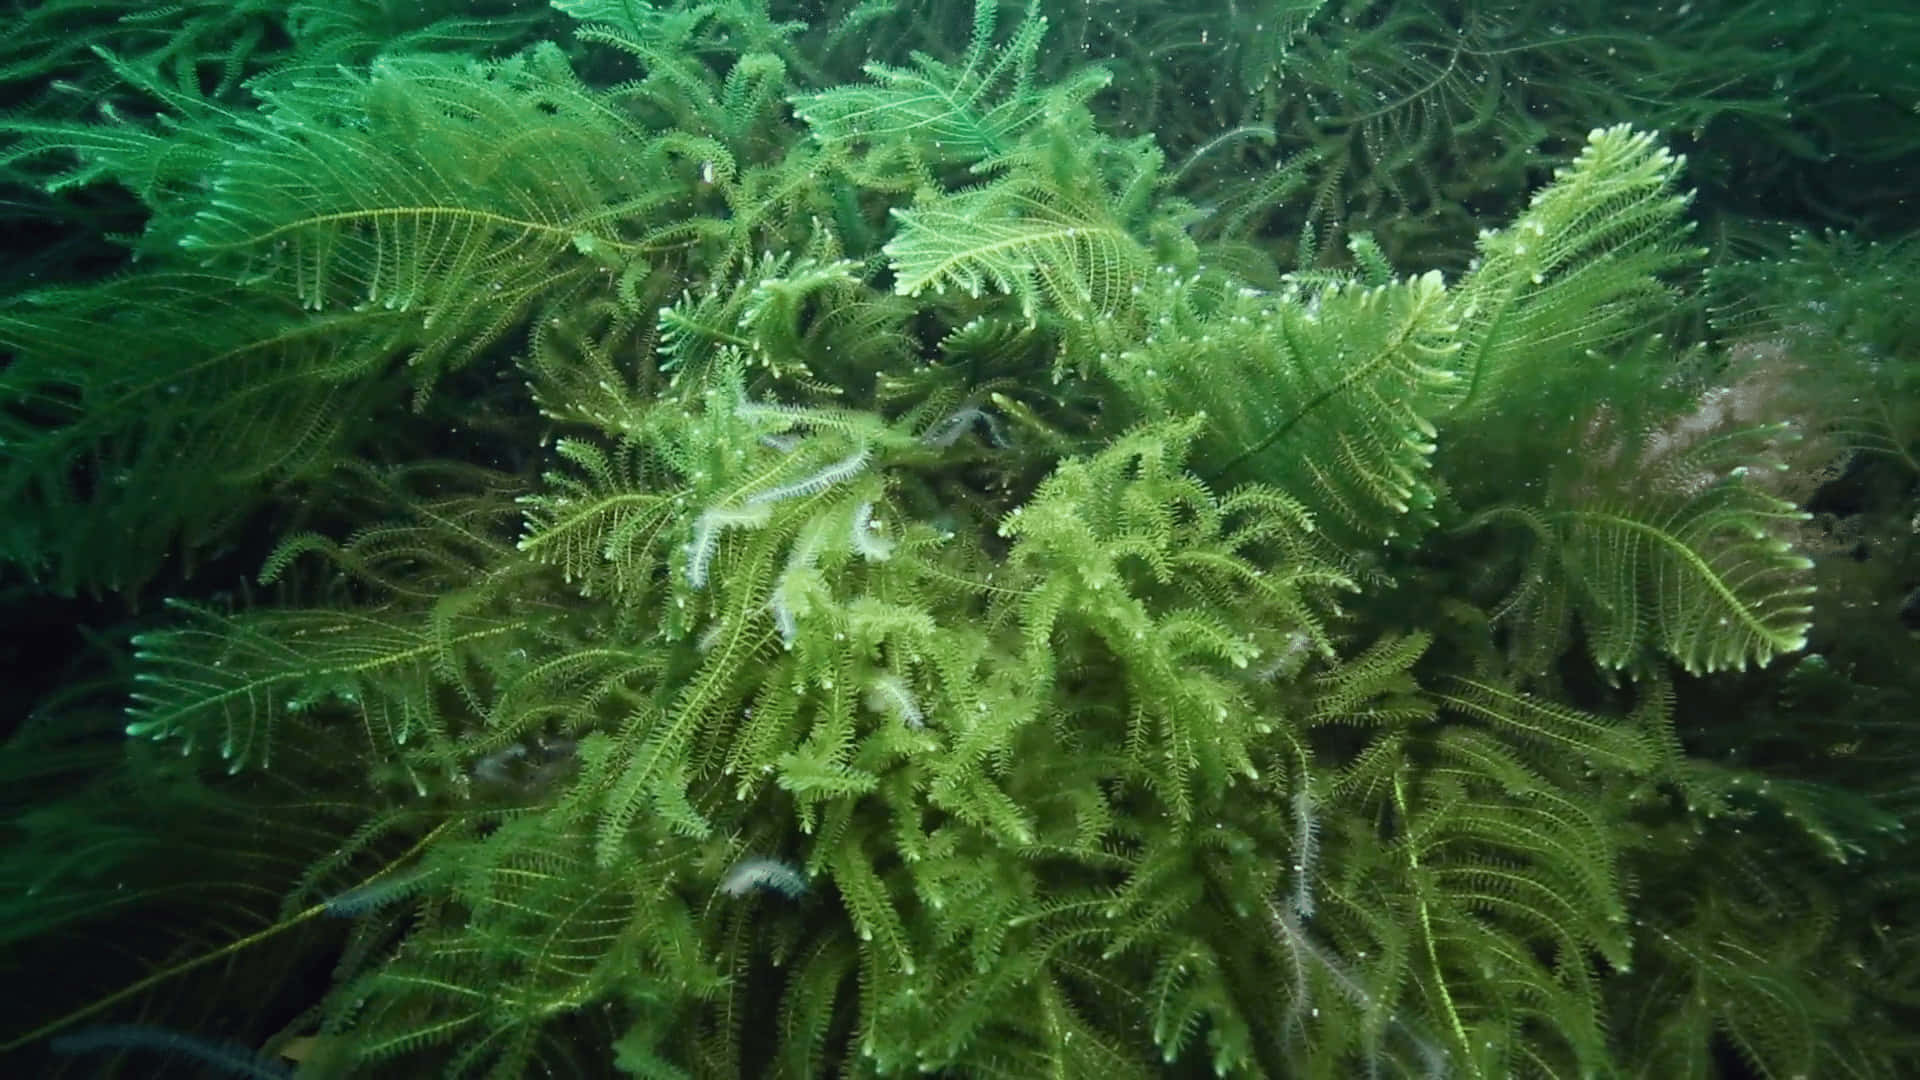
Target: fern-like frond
{"x":1562,"y":731}
{"x":451,"y":530}
{"x":140,"y":416}
{"x":230,"y":683}
{"x":559,"y":932}
{"x":915,"y":120}
{"x":603,"y":521}
{"x":1099,"y":548}
{"x":1275,"y":25}
{"x":461,"y":194}
{"x":1023,"y":238}
{"x":715,"y":68}
{"x":160,"y":163}
{"x":1578,"y":270}
{"x":1706,"y":578}
{"x":805,"y":322}
{"x":1329,"y":395}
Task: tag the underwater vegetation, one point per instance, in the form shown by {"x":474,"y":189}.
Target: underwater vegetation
{"x":1293,"y":538}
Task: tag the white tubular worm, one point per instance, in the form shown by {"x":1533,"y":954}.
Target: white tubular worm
{"x":706,"y":535}
{"x":806,"y":552}
{"x":761,"y":872}
{"x":837,"y":473}
{"x":889,"y":693}
{"x":783,"y":619}
{"x":869,"y":541}
{"x":948,"y":430}
{"x":1306,"y":851}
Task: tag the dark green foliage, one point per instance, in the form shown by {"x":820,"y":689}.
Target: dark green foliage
{"x":798,"y":550}
{"x":1829,"y":324}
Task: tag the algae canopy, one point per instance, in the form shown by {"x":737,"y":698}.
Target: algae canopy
{"x":1012,"y":538}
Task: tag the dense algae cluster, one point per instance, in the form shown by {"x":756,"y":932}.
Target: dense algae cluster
{"x":1301,"y":538}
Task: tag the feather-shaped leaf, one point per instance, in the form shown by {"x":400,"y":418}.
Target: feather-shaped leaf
{"x":936,"y":113}
{"x":1022,"y":238}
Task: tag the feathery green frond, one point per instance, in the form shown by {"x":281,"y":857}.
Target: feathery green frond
{"x":1669,"y":549}
{"x":601,"y":521}
{"x":143,"y":414}
{"x":915,"y":121}
{"x":1575,"y":272}
{"x":1022,"y":238}
{"x":458,"y":193}
{"x":1328,"y":394}
{"x":1104,"y":541}
{"x":230,"y":682}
